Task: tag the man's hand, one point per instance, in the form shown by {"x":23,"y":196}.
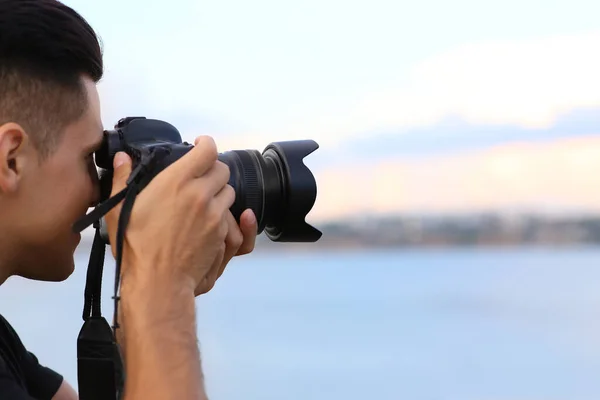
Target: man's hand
{"x":180,"y":237}
{"x":240,"y":240}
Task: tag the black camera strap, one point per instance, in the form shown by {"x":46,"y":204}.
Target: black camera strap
{"x":99,"y":363}
{"x":100,"y":370}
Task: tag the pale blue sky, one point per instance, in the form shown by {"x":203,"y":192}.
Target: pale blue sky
{"x":254,"y":71}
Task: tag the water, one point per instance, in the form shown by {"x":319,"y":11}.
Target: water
{"x":484,"y":324}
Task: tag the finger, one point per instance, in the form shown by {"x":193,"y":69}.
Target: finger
{"x":208,"y":282}
{"x":198,"y":160}
{"x":121,"y":172}
{"x":216,"y":269}
{"x":249,"y":228}
{"x":216,"y":265}
{"x":214,"y":180}
{"x":225,"y":198}
{"x":233,"y":241}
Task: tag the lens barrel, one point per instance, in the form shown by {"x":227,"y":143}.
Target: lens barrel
{"x":277,"y":186}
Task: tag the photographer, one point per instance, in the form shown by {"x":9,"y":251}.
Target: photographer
{"x":180,"y":237}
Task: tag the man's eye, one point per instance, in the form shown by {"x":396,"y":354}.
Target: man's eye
{"x":91,"y":165}
{"x":89,"y":159}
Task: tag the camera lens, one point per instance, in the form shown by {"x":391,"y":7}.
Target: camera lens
{"x":277,"y":186}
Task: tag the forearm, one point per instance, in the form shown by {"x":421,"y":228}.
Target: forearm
{"x":159,"y":342}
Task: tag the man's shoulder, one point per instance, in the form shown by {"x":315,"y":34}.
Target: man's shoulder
{"x":7,"y":332}
{"x":11,"y":350}
{"x":11,"y":353}
{"x":21,"y":370}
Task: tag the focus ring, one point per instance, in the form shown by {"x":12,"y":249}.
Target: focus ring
{"x":252,"y":183}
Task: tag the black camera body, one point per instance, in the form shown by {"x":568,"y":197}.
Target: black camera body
{"x":276,"y":184}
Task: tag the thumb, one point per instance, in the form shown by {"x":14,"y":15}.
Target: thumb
{"x":121,"y":172}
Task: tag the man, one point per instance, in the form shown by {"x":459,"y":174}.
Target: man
{"x":50,"y":125}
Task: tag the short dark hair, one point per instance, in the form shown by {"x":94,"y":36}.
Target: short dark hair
{"x":45,"y":49}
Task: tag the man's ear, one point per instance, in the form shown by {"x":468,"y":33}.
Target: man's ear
{"x":13,"y":143}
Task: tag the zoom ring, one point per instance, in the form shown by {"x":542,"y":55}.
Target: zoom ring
{"x":252,"y":183}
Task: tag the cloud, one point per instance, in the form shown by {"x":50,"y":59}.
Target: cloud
{"x":525,"y":83}
{"x":528,"y":84}
{"x":522,"y":82}
{"x":455,"y":135}
{"x":555,"y":176}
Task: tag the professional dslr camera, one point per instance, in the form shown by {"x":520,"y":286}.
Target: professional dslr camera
{"x":276,"y":185}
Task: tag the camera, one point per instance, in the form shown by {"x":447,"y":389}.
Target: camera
{"x":275,"y":184}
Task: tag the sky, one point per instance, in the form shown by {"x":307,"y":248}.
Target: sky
{"x":393,"y":91}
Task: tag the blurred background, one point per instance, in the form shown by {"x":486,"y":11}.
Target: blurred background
{"x":458,"y":193}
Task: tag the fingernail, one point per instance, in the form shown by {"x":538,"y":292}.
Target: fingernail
{"x":119,"y":159}
{"x":251,"y":218}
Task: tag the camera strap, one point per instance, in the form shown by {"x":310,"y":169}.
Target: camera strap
{"x":100,"y":371}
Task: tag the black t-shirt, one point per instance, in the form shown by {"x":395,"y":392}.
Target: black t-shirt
{"x":21,"y":375}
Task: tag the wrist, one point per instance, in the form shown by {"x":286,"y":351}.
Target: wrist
{"x":149,"y":296}
{"x":142,"y":277}
{"x":159,"y":332}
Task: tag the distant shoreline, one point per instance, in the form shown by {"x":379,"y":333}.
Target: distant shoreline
{"x":445,"y":232}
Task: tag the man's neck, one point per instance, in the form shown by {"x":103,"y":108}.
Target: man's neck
{"x":7,"y":248}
